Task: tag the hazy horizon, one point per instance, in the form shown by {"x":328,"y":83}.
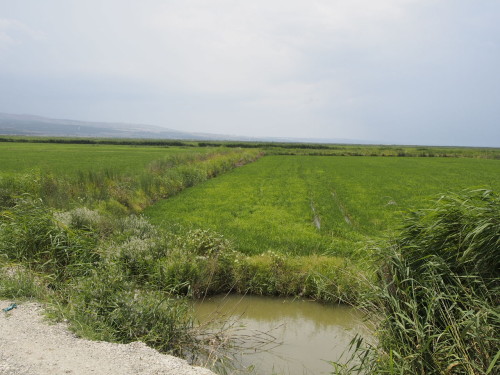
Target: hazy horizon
{"x":391,"y":72}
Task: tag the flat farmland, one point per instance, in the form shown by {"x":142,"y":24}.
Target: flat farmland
{"x":302,"y":205}
{"x":121,"y":178}
{"x":69,"y":159}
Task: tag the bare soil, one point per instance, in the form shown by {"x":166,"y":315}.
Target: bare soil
{"x":31,"y":345}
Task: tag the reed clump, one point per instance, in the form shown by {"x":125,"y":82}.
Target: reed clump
{"x":439,"y":292}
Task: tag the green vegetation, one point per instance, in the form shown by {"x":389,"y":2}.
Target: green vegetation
{"x":67,"y":238}
{"x":73,"y":159}
{"x":300,"y":205}
{"x":121,"y":279}
{"x":438,"y":292}
{"x":281,"y":148}
{"x":298,"y":225}
{"x":108,"y":176}
{"x":66,"y":260}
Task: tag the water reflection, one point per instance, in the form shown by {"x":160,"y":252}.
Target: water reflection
{"x":311,"y":333}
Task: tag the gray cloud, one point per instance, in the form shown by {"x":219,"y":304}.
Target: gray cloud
{"x":396,"y":71}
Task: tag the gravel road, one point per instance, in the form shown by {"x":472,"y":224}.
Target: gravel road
{"x":30,"y":345}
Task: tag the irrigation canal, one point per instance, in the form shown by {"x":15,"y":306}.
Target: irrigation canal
{"x":284,"y":336}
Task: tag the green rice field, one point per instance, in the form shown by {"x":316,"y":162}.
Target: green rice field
{"x":120,"y":178}
{"x":69,"y":159}
{"x":318,"y":204}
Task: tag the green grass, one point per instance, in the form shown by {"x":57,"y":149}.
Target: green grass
{"x":70,"y":159}
{"x":313,"y":204}
{"x":280,"y":148}
{"x":117,"y":178}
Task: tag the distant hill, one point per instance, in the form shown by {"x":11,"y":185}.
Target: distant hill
{"x":36,"y":125}
{"x":30,"y":125}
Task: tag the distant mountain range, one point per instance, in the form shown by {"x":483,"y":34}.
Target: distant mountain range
{"x":30,"y":125}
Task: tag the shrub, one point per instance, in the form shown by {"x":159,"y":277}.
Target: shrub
{"x":108,"y":307}
{"x":30,"y":234}
{"x":198,"y":262}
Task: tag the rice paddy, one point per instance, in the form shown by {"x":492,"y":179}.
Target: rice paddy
{"x":70,"y":159}
{"x":318,"y":204}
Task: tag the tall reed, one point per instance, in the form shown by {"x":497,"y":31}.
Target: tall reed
{"x":439,"y":292}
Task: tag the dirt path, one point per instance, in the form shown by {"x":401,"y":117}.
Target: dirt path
{"x":29,"y":345}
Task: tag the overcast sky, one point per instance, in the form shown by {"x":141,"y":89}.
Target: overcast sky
{"x":390,"y":71}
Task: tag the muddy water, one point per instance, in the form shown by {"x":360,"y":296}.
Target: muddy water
{"x":285,"y":336}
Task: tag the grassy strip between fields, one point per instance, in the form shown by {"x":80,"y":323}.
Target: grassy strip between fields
{"x":121,"y":192}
